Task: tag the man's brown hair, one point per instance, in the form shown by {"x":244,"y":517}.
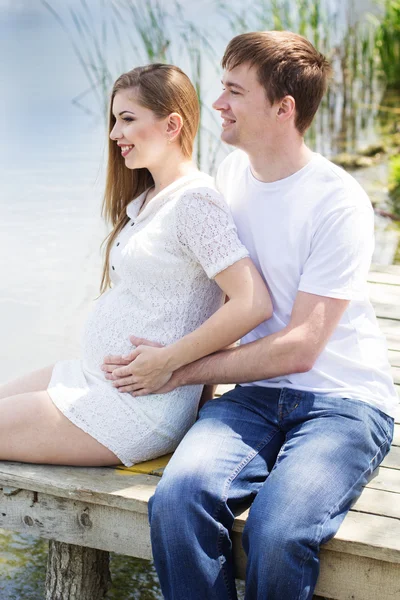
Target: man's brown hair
{"x":287,"y":64}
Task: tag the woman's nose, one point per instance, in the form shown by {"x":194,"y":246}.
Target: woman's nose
{"x":114,"y":133}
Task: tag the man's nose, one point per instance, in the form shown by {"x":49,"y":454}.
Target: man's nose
{"x":220,"y":103}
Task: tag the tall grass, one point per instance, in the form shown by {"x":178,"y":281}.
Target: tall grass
{"x":143,"y":31}
{"x":349,"y":45}
{"x":388,"y":42}
{"x":394,"y":183}
{"x":153,"y":30}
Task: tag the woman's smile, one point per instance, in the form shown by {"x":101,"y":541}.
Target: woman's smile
{"x":125,"y":149}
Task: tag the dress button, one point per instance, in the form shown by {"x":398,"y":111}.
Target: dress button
{"x":118,"y":243}
{"x":113,"y":268}
{"x":132,"y":224}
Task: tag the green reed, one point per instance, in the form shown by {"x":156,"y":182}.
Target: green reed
{"x":143,"y":32}
{"x":394,"y":183}
{"x":349,"y":45}
{"x":388,"y":42}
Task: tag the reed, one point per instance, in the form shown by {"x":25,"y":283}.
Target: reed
{"x":394,"y":183}
{"x":152,"y":30}
{"x":388,"y":42}
{"x":144,"y":31}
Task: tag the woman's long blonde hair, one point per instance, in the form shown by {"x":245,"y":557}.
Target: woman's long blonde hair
{"x":163,"y":89}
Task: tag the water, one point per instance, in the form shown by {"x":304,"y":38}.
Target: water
{"x":51,"y":179}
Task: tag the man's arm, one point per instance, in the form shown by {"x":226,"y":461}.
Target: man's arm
{"x":294,"y":349}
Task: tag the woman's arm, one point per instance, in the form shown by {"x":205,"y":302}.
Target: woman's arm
{"x":249,"y":305}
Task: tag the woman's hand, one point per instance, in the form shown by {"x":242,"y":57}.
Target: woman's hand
{"x":145,"y":371}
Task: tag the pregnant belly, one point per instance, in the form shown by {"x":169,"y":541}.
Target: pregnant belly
{"x":108,"y":329}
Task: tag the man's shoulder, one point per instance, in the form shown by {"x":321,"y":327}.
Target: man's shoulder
{"x":339,"y":185}
{"x":231,"y":168}
{"x":234,"y":161}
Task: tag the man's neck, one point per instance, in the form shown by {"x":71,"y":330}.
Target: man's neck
{"x":273,"y":164}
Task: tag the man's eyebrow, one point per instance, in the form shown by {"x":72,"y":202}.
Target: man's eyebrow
{"x":232,"y":84}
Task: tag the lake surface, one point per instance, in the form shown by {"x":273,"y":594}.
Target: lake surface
{"x":52,"y":157}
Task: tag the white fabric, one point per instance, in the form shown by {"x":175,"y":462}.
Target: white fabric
{"x":161,"y":265}
{"x":313,"y":232}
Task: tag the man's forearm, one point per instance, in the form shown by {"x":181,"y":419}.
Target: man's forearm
{"x":278,"y":354}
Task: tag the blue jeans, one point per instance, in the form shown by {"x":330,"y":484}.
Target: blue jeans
{"x":301,"y":458}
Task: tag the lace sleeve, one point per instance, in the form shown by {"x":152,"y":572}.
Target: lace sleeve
{"x":205,"y":228}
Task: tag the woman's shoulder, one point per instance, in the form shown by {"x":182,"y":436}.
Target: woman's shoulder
{"x":201,"y":191}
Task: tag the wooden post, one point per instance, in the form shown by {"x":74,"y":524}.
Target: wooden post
{"x":76,"y":572}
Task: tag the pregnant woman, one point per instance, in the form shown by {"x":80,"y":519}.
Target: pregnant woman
{"x":171,"y":258}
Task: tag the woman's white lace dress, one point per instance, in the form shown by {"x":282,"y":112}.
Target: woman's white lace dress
{"x":162,"y":267}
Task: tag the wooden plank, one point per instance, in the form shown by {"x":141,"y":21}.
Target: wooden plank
{"x":394,"y":357}
{"x":385,"y":300}
{"x":385,"y":479}
{"x":384,"y":274}
{"x":74,"y":522}
{"x":364,"y":534}
{"x":396,"y":375}
{"x":104,"y":486}
{"x":90,"y":525}
{"x":396,"y":436}
{"x":392,"y":460}
{"x":378,"y":502}
{"x":346,"y":577}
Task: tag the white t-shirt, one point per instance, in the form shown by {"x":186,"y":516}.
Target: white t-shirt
{"x":314,"y":232}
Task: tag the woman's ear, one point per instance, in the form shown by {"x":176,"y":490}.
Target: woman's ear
{"x":174,"y":126}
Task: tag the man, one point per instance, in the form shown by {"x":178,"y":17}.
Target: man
{"x":311,"y":417}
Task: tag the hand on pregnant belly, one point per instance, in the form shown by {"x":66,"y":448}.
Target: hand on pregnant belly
{"x":148,"y":371}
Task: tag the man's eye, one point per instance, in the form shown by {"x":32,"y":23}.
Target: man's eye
{"x":234,"y":93}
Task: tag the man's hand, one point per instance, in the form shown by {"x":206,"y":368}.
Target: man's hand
{"x":141,"y":372}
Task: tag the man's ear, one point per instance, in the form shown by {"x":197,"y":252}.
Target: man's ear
{"x":286,"y":109}
{"x":174,"y":126}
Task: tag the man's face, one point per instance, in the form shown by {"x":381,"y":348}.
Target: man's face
{"x":249,"y":119}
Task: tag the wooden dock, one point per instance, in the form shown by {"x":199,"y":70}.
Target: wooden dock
{"x":106,"y":509}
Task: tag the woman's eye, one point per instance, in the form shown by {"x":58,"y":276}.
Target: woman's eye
{"x":127,"y":119}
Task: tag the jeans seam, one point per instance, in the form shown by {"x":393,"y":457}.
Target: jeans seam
{"x":223,"y":500}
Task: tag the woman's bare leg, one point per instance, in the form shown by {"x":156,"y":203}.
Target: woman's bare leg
{"x":35,"y":381}
{"x":32,"y":429}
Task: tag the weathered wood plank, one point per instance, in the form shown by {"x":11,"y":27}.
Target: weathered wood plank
{"x":385,"y":300}
{"x":394,"y":358}
{"x":385,"y":479}
{"x":378,"y":502}
{"x":361,"y":533}
{"x":346,"y":577}
{"x":396,"y":436}
{"x":396,"y":375}
{"x":124,"y":532}
{"x":80,"y":523}
{"x":389,"y":274}
{"x":104,"y":486}
{"x":392,"y":460}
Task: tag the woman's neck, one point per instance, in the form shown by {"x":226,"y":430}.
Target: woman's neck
{"x":170,"y":171}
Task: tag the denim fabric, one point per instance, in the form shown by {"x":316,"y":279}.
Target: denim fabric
{"x":300,"y":458}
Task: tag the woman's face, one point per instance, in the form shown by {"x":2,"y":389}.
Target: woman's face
{"x":141,"y":136}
